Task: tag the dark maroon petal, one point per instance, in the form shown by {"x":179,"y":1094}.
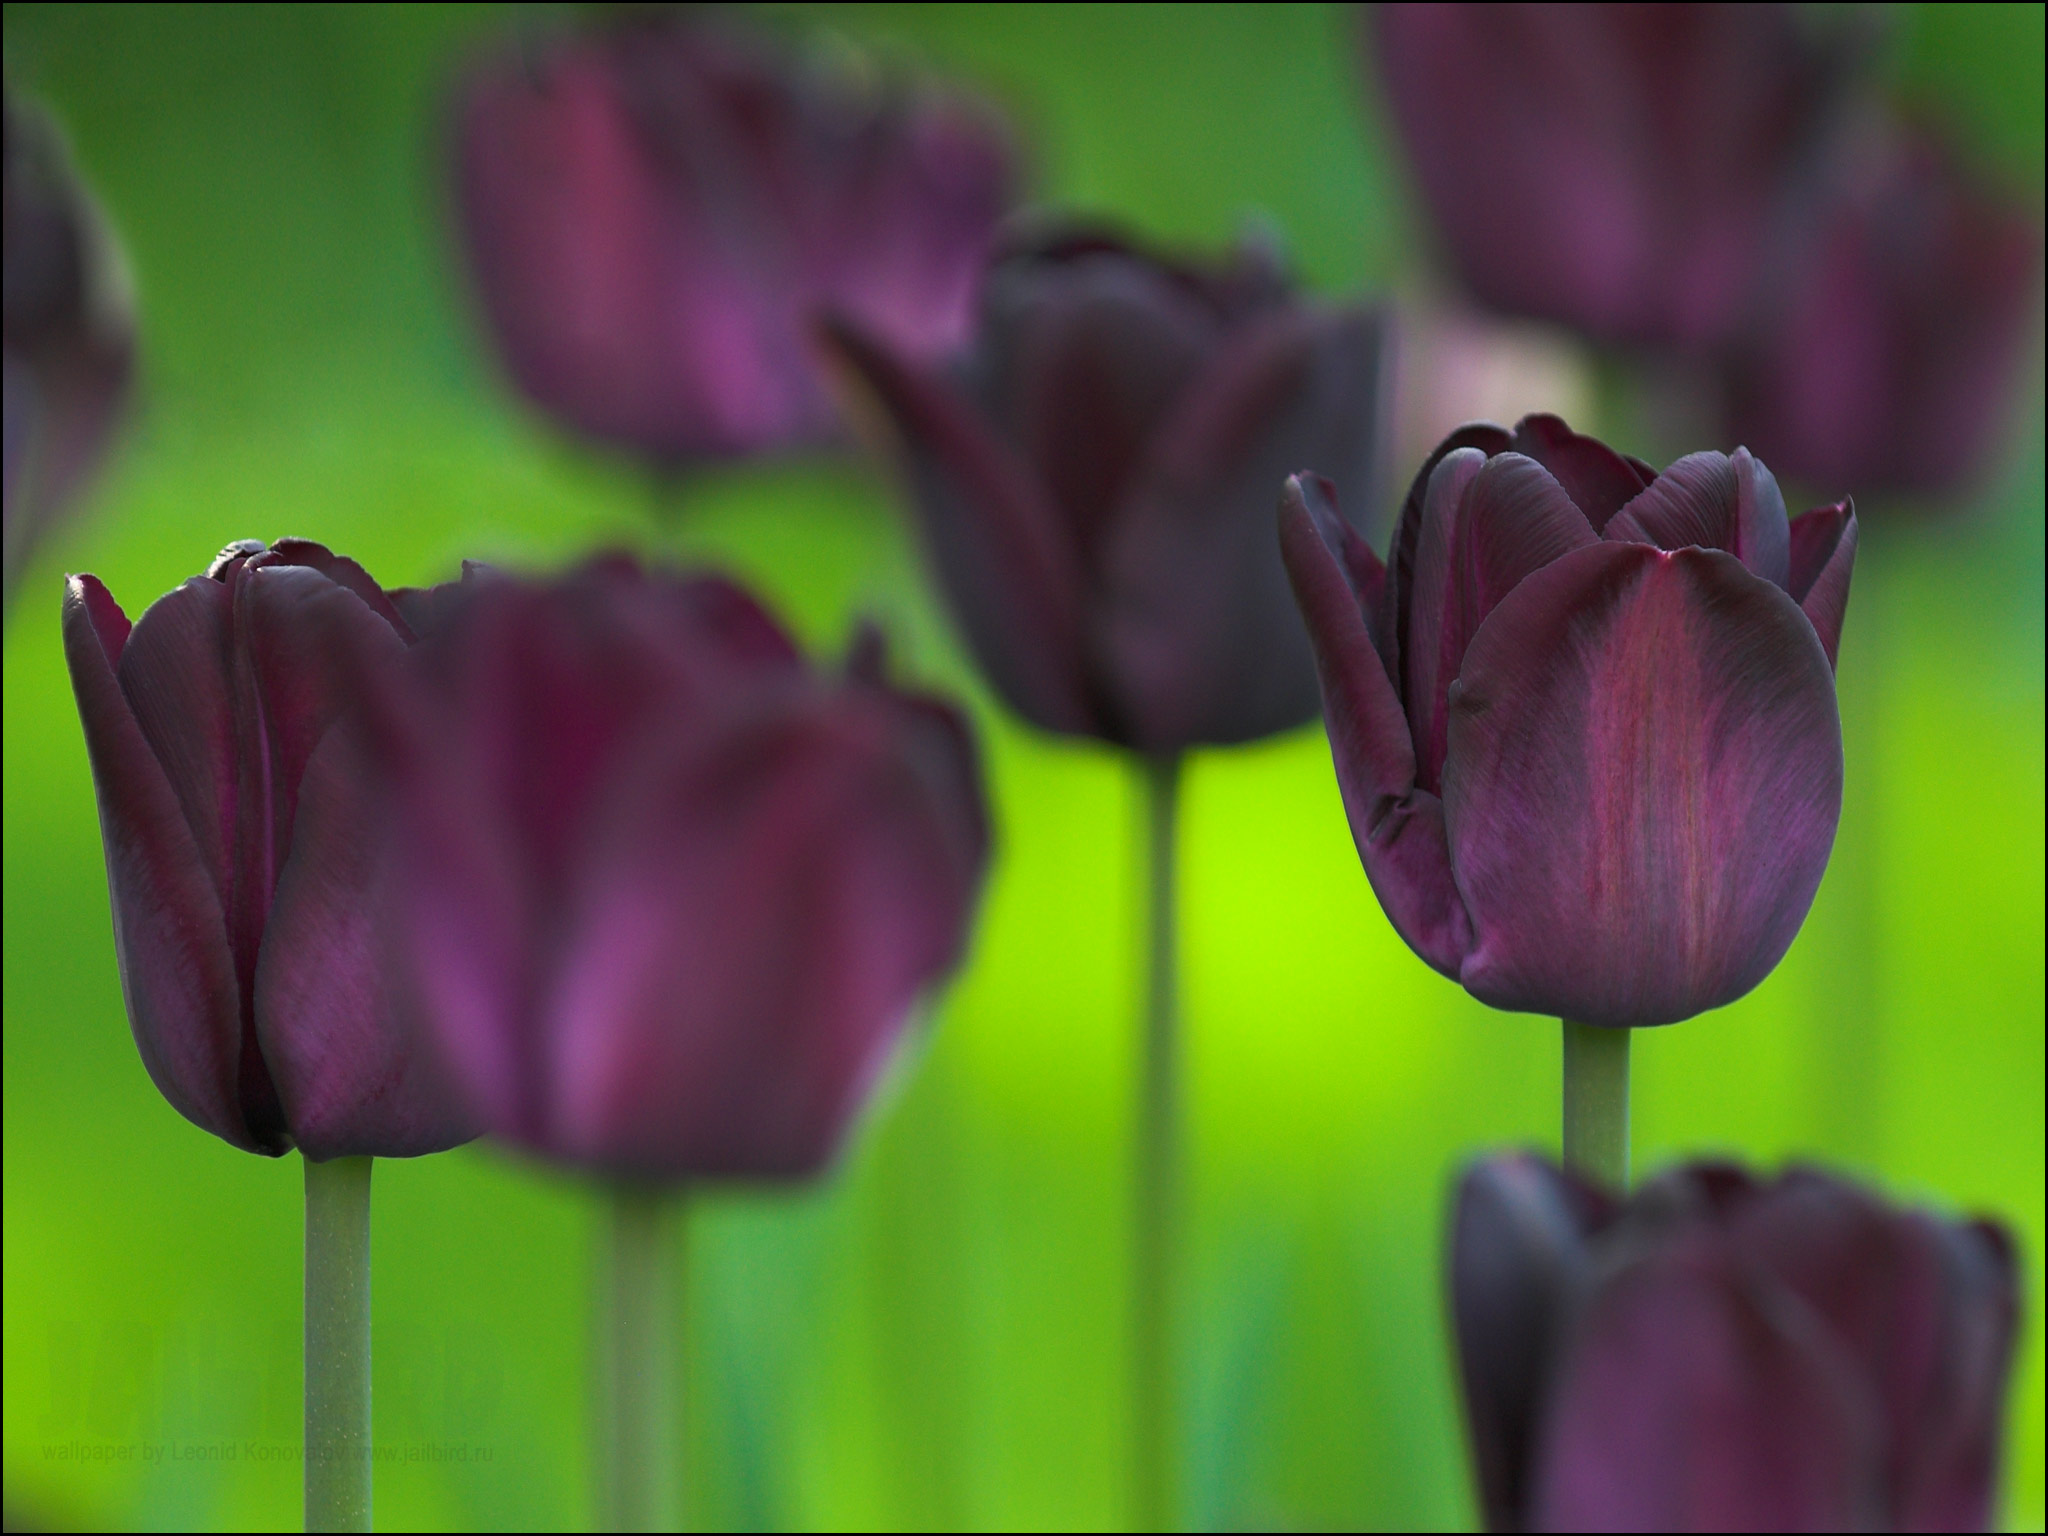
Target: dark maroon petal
{"x":1398,"y":828}
{"x":1599,"y":480}
{"x":170,"y":933}
{"x":1203,"y":640}
{"x":1714,"y":501}
{"x":1391,"y":635}
{"x":1644,"y":776}
{"x":1691,"y":1398}
{"x":1486,"y":525}
{"x":1519,"y":1260}
{"x":1823,"y":545}
{"x":343,"y":572}
{"x":1001,"y":549}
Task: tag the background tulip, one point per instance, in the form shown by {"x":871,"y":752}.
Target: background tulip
{"x":654,"y":212}
{"x":1093,"y":475}
{"x":70,"y":332}
{"x":1726,"y":1353}
{"x":241,"y":850}
{"x":1584,"y":718}
{"x":668,"y":894}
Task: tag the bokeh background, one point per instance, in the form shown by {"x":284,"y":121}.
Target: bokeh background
{"x":934,"y":1337}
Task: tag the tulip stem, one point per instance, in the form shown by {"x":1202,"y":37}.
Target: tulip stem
{"x":1596,"y":1103}
{"x":1152,"y":1293}
{"x":637,"y":1455}
{"x":338,"y":1344}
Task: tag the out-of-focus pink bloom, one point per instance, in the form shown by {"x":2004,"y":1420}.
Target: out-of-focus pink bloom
{"x":656,"y":213}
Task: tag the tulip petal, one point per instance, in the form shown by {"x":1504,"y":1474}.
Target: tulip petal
{"x":1519,"y":1261}
{"x":1823,"y":544}
{"x":1398,"y":828}
{"x":1300,"y":388}
{"x":1714,"y":501}
{"x":1644,"y":777}
{"x":1391,"y":634}
{"x":1694,"y":1400}
{"x":999,"y":545}
{"x":1486,"y":525}
{"x":170,"y":931}
{"x":343,"y":572}
{"x":1599,"y":480}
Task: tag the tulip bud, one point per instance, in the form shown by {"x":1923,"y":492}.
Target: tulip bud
{"x":1722,"y":1353}
{"x":70,"y":333}
{"x":654,"y":214}
{"x":1584,"y":716}
{"x":666,"y":895}
{"x":242,"y":849}
{"x":1093,"y":479}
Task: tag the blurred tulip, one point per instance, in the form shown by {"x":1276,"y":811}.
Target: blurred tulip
{"x":1095,"y":480}
{"x":667,"y":894}
{"x":654,"y":213}
{"x":1886,"y":354}
{"x":1723,"y":1354}
{"x":1584,"y":719}
{"x":240,"y":849}
{"x":1615,"y":167}
{"x":70,"y":333}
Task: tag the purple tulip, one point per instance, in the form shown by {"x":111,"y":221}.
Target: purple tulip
{"x":1722,"y":1354}
{"x":241,"y":849}
{"x":1886,"y":353}
{"x":1094,"y":479}
{"x":654,"y":214}
{"x":1584,"y":718}
{"x":668,"y":894}
{"x":1618,"y":168}
{"x":70,"y":333}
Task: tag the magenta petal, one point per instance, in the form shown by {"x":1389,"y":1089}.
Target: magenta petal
{"x":1599,"y":480}
{"x":1486,"y":525}
{"x":1000,"y":547}
{"x":170,"y":931}
{"x":1694,"y":1400}
{"x":1644,"y":777}
{"x":1519,"y":1260}
{"x":1823,"y":556}
{"x":1398,"y":828}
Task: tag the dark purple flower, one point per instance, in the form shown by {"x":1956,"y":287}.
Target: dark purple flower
{"x":1618,"y":168}
{"x":1886,"y":350}
{"x":241,"y":849}
{"x":1095,"y":480}
{"x":667,"y":893}
{"x":1584,"y":718}
{"x":1723,"y":1354}
{"x":654,"y":214}
{"x":70,"y":333}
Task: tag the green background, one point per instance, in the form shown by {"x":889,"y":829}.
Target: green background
{"x":933,"y":1336}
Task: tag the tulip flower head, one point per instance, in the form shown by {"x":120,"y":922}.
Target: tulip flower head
{"x":70,"y":333}
{"x":666,"y":893}
{"x":241,"y":849}
{"x":1724,"y":1353}
{"x":1094,"y":475}
{"x":1584,"y":716}
{"x":654,"y":214}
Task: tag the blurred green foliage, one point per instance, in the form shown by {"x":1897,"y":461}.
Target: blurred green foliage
{"x":934,"y":1337}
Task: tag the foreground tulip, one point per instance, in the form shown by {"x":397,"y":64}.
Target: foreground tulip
{"x":70,"y":333}
{"x":242,"y":863}
{"x":1584,"y":718}
{"x":1722,"y":1353}
{"x":667,"y":897}
{"x":1618,"y":168}
{"x":655,"y":212}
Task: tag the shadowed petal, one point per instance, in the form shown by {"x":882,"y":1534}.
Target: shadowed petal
{"x":1823,"y":544}
{"x":1391,"y":634}
{"x":170,"y":932}
{"x":1644,"y":777}
{"x":1398,"y":828}
{"x":1694,"y":1400}
{"x":1714,"y":501}
{"x":1599,"y":480}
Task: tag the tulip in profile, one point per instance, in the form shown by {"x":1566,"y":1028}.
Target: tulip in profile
{"x":655,"y":212}
{"x":1724,"y":1353}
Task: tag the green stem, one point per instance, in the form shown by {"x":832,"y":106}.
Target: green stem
{"x":338,"y":1344}
{"x":1152,"y":1293}
{"x":638,"y":1451}
{"x":1596,"y":1103}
